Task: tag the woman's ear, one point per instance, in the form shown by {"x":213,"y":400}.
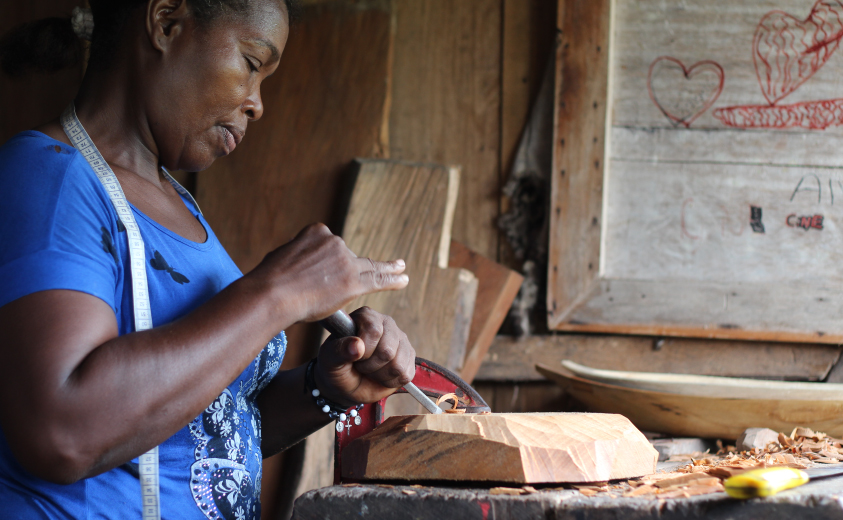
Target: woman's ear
{"x":165,"y":20}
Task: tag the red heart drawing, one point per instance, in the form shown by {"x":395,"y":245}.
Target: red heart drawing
{"x":787,"y":51}
{"x":684,"y":94}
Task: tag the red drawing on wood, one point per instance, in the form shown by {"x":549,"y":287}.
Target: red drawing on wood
{"x":684,"y":94}
{"x":787,"y":52}
{"x":812,"y":115}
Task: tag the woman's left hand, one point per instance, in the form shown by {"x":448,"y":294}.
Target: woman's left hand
{"x":368,"y":367}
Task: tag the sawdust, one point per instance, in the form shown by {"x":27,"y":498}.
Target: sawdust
{"x":802,"y":449}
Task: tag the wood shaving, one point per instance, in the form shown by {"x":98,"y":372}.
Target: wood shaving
{"x":705,"y":473}
{"x":453,"y":397}
{"x":506,"y":491}
{"x":408,"y":491}
{"x":529,"y":490}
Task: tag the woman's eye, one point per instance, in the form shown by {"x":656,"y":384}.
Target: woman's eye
{"x":252,"y":66}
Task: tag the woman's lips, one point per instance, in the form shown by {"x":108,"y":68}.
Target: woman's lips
{"x":230,"y":141}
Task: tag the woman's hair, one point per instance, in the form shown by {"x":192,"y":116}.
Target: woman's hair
{"x":51,"y":44}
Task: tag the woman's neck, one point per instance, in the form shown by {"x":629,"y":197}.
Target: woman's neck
{"x":110,"y":110}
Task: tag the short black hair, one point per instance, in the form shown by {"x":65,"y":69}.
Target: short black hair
{"x":50,"y":44}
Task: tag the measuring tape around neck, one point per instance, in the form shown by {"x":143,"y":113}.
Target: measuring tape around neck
{"x":148,"y":462}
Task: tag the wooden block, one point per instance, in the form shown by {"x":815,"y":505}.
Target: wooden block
{"x":446,"y":102}
{"x":511,"y":359}
{"x":405,"y":210}
{"x":691,"y":415}
{"x":518,"y":448}
{"x":497,"y":287}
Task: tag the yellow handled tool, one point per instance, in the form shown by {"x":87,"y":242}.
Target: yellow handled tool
{"x":769,"y":481}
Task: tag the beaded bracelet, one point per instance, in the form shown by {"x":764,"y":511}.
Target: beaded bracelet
{"x":334,"y":410}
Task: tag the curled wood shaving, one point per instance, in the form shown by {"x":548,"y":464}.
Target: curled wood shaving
{"x":408,"y":491}
{"x":454,"y":397}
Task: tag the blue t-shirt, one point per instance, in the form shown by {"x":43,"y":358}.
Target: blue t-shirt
{"x":59,"y":230}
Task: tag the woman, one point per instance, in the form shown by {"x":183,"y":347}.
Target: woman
{"x":171,"y":84}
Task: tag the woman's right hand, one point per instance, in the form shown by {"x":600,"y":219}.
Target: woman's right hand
{"x":316,"y":274}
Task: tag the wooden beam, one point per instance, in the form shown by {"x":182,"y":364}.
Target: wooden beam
{"x":582,"y":71}
{"x":510,"y":359}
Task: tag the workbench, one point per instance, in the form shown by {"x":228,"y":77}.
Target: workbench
{"x":819,"y":500}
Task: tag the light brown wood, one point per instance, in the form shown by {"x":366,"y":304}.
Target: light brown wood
{"x":497,"y":287}
{"x":511,"y":359}
{"x":709,"y":386}
{"x":325,"y":107}
{"x":579,"y":140}
{"x":687,"y":415}
{"x":518,"y":448}
{"x":446,"y":103}
{"x":402,"y":210}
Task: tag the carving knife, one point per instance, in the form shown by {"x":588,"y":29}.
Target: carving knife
{"x":341,"y":325}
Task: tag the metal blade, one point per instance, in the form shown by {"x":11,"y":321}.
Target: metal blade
{"x":422,"y":398}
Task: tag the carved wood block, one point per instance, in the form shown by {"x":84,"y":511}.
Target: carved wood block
{"x":528,"y":448}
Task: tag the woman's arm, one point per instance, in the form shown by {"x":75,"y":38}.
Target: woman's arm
{"x":361,"y":369}
{"x":82,"y":400}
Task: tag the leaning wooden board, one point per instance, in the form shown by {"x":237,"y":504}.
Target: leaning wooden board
{"x":697,"y":180}
{"x":405,"y":210}
{"x":519,"y":448}
{"x":496,"y":288}
{"x":696,"y":416}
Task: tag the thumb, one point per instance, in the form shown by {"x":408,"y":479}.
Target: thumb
{"x":343,"y":351}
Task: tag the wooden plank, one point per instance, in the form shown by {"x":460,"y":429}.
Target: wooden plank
{"x":579,"y":142}
{"x":446,"y":103}
{"x":517,"y":448}
{"x":496,"y":290}
{"x":750,"y":311}
{"x":404,"y":210}
{"x":326,"y":106}
{"x":707,"y":417}
{"x":510,"y":359}
{"x":32,"y":100}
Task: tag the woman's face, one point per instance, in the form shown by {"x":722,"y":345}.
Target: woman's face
{"x":207,"y":85}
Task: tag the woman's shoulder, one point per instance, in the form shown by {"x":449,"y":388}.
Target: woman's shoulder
{"x":32,"y":160}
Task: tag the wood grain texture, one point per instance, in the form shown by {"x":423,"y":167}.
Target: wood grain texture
{"x":497,"y":287}
{"x":517,"y":448}
{"x":579,"y":140}
{"x":326,"y":106}
{"x":446,"y":103}
{"x":511,"y":359}
{"x":33,"y":100}
{"x":695,"y":416}
{"x":402,"y":210}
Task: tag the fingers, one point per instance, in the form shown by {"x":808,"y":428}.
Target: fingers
{"x":389,"y":359}
{"x":382,"y":276}
{"x":340,"y":352}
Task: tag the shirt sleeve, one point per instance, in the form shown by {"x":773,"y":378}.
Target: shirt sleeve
{"x":58,"y":228}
